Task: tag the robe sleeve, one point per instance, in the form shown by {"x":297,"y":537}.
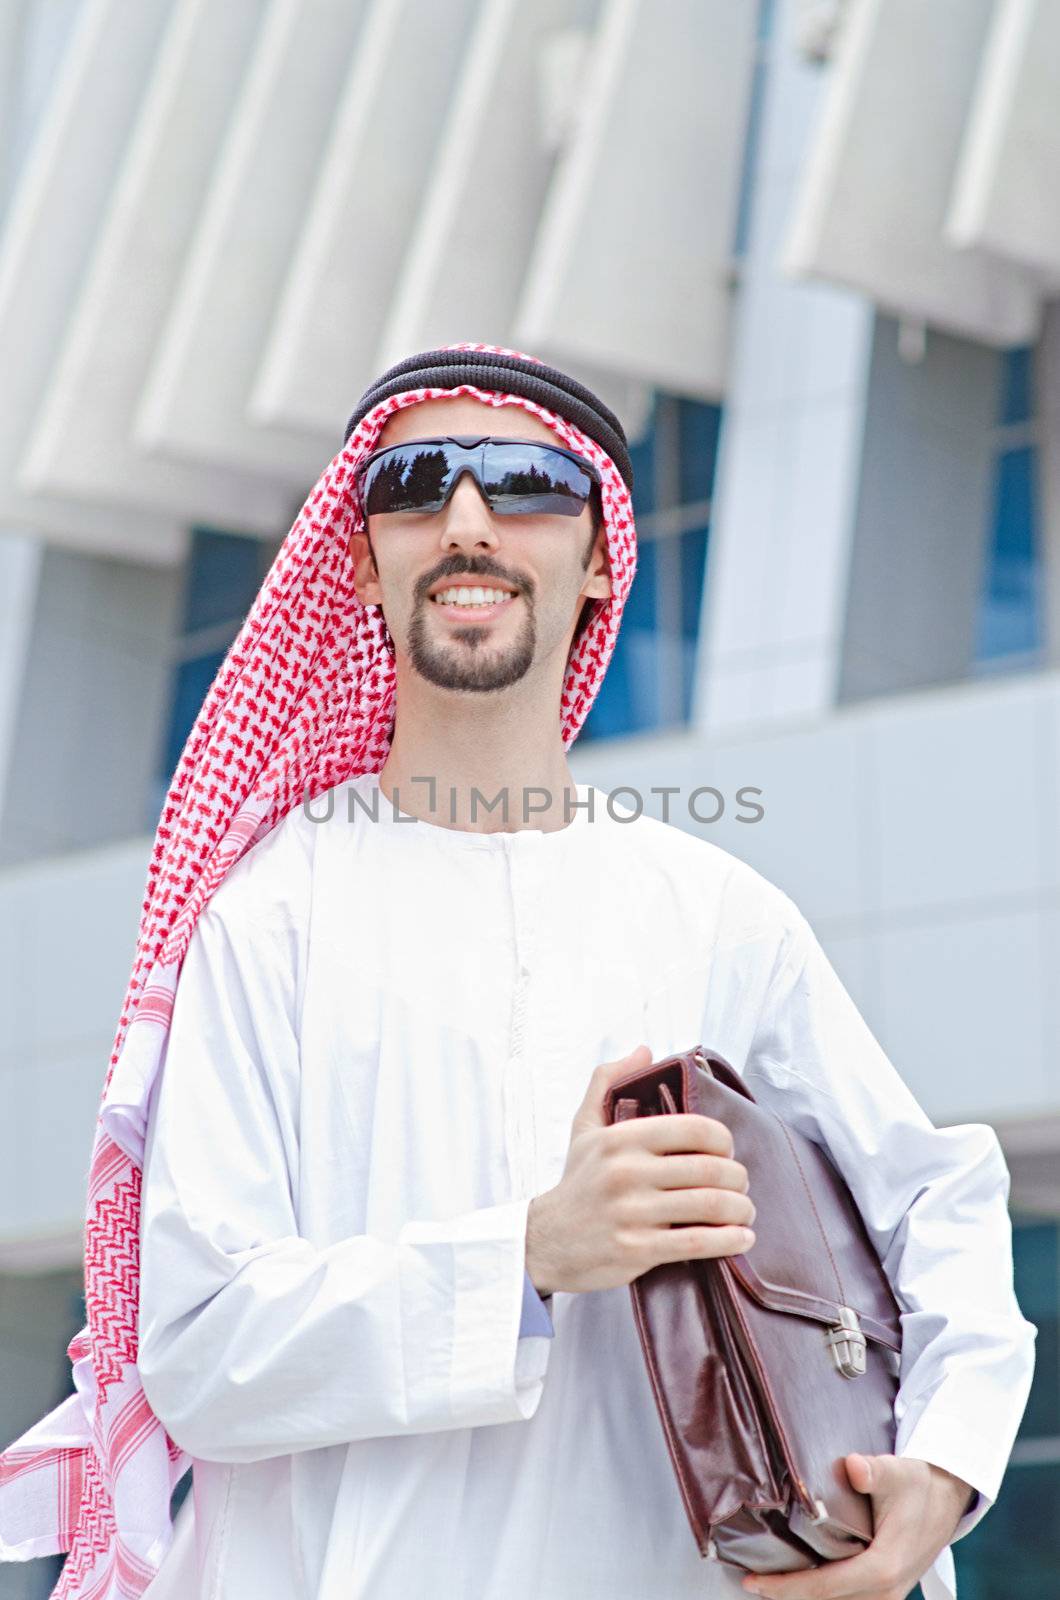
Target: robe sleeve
{"x":253,"y":1341}
{"x":935,"y":1203}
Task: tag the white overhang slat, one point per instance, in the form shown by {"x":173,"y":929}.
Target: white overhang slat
{"x":1005,"y":193}
{"x":320,"y":353}
{"x":49,"y":231}
{"x":196,"y":399}
{"x":83,"y":443}
{"x":464,"y":269}
{"x":632,"y":264}
{"x":876,"y":189}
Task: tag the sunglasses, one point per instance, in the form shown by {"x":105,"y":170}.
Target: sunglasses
{"x":516,"y":476}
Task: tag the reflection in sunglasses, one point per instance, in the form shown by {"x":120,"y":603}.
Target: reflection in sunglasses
{"x":514,"y":478}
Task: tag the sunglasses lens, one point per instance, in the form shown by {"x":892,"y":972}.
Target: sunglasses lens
{"x":526,"y":478}
{"x":416,"y":478}
{"x":533,"y":478}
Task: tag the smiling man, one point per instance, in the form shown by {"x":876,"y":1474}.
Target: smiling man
{"x":354,"y":1117}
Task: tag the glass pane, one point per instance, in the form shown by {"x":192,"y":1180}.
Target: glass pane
{"x":1009,"y":618}
{"x":1017,"y":380}
{"x":660,"y":625}
{"x":698,"y":426}
{"x":224,"y":574}
{"x":693,"y":569}
{"x":1036,"y":1262}
{"x":642,"y":456}
{"x":628,"y":698}
{"x":693,"y":566}
{"x":1014,"y":1552}
{"x":192,"y":680}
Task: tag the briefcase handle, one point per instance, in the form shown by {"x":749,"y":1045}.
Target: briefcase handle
{"x":719,"y":1068}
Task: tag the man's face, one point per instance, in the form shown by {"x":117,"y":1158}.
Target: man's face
{"x":550,"y":563}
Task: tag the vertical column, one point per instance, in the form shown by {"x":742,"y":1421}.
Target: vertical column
{"x":20,"y":563}
{"x":923,"y":513}
{"x":790,"y":445}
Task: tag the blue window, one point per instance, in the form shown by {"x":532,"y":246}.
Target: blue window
{"x":1010,"y":624}
{"x":649,"y":680}
{"x":224,"y":573}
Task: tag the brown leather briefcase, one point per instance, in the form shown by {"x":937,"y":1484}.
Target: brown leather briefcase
{"x":771,"y":1366}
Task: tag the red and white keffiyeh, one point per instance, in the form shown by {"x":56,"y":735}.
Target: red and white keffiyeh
{"x":303,"y":701}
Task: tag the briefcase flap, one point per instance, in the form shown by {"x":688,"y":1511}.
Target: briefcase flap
{"x":812,"y":1255}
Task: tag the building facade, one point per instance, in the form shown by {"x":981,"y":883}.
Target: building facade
{"x":808,"y":252}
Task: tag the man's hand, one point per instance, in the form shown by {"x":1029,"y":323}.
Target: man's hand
{"x":916,"y":1507}
{"x":627,"y":1187}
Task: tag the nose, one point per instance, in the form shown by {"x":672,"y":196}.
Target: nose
{"x":466,"y":519}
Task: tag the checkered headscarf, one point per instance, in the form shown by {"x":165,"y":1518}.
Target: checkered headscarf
{"x":303,"y":701}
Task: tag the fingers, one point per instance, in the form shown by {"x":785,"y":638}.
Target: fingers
{"x":886,"y":1570}
{"x":861,"y":1577}
{"x":682,"y":1131}
{"x":674,"y":1207}
{"x":701,"y":1243}
{"x":677,"y":1171}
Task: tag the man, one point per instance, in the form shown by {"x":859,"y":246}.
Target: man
{"x":385,"y":1233}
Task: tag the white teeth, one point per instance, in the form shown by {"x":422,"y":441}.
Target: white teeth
{"x":471,"y":597}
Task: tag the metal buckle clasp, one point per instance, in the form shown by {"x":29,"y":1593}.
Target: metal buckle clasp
{"x":848,"y":1343}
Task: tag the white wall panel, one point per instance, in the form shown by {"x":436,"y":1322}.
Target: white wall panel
{"x":320,"y":356}
{"x":53,"y":1057}
{"x":632,"y":263}
{"x":20,"y":560}
{"x":94,"y":704}
{"x":50,"y":230}
{"x":875,"y":192}
{"x":1005,"y":194}
{"x":82,"y":444}
{"x":196,"y":398}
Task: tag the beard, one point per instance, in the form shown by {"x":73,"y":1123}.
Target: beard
{"x":481,"y":666}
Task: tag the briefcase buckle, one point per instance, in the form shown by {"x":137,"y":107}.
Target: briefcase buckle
{"x":847,"y":1343}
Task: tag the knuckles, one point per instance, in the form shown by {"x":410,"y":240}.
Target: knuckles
{"x":719,"y":1133}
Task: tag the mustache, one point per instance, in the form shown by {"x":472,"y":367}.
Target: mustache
{"x":466,"y":567}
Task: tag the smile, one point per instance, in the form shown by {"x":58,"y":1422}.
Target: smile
{"x":465,"y":601}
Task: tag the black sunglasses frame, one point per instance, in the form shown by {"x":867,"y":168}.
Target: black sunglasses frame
{"x":470,"y":442}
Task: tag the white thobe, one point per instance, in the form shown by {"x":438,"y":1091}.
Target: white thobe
{"x":381,"y":1034}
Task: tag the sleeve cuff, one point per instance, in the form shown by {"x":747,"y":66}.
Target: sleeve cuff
{"x":947,"y":1441}
{"x":494,"y":1376}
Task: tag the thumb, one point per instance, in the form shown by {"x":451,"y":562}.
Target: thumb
{"x":590,"y":1113}
{"x":864,"y":1473}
